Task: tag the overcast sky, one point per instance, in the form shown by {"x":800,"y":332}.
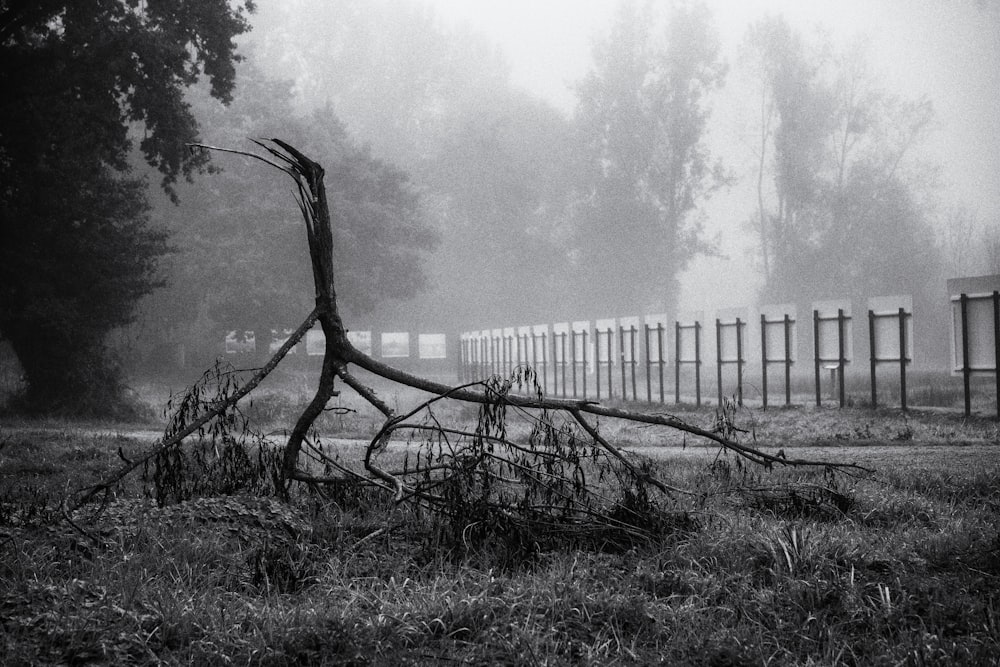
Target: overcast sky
{"x":948,"y":50}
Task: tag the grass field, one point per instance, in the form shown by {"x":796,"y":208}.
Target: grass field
{"x":907,"y":574}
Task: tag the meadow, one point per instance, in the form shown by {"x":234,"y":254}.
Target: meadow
{"x":905,"y":572}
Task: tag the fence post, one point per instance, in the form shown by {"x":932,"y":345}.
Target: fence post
{"x":739,"y":361}
{"x":697,"y":363}
{"x":556,"y":384}
{"x":632,"y":331}
{"x":677,"y":362}
{"x":966,"y":371}
{"x":871,"y":347}
{"x":609,"y":350}
{"x":572,"y":349}
{"x":621,"y":359}
{"x":902,"y":357}
{"x":763,"y":358}
{"x":649,"y":365}
{"x":840,"y":352}
{"x":515,"y":352}
{"x":659,"y":349}
{"x":545,"y":362}
{"x":597,"y":345}
{"x":816,"y":355}
{"x":788,"y":361}
{"x":565,"y":388}
{"x":718,"y":357}
{"x":996,"y":346}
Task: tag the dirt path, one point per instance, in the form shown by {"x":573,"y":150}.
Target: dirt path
{"x":960,"y":455}
{"x":881,"y":457}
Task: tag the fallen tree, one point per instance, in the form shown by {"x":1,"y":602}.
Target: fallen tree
{"x":480,"y":475}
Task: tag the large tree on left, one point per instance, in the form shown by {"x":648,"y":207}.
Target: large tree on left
{"x":81,"y":82}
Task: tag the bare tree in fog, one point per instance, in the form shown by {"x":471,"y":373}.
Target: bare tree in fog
{"x":959,"y":240}
{"x":845,"y":212}
{"x":491,"y":162}
{"x":642,"y":114}
{"x":238,"y":263}
{"x":796,"y":116}
{"x":991,"y":246}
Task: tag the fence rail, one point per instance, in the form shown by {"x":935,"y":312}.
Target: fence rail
{"x":611,"y":358}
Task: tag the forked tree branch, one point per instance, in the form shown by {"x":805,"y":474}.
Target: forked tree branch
{"x":339,"y":354}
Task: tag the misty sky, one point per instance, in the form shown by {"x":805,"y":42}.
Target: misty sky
{"x":948,"y":50}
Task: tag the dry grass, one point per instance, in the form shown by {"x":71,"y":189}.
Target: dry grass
{"x":909,"y":573}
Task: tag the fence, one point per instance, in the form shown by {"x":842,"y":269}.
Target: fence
{"x":428,"y":353}
{"x":611,"y":358}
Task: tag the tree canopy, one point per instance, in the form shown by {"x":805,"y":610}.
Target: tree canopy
{"x":642,"y":116}
{"x":492,"y":164}
{"x":842,"y":208}
{"x":84,"y":85}
{"x":238,"y":259}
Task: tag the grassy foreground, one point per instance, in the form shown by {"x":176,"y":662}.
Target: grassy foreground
{"x":908,"y":575}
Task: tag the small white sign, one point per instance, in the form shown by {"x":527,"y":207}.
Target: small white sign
{"x":315,"y":342}
{"x":829,"y":340}
{"x":630,"y":332}
{"x":982,"y":350}
{"x":581,"y":342}
{"x":689,"y":336}
{"x":485,"y":346}
{"x":688,"y":343}
{"x":395,"y":344}
{"x":432,"y":346}
{"x":886,"y":324}
{"x":829,"y":330}
{"x":362,"y":340}
{"x":560,"y":341}
{"x":240,"y":342}
{"x":541,"y":343}
{"x":278,"y":339}
{"x":605,"y":334}
{"x":774,"y":331}
{"x":658,"y":337}
{"x":732,"y":340}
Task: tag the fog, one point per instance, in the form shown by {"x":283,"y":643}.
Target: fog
{"x":948,"y":51}
{"x":482,"y":105}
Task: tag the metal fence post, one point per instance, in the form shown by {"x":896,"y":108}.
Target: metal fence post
{"x":902,"y":358}
{"x":816,"y":354}
{"x":632,"y":331}
{"x":739,"y":361}
{"x":697,"y":363}
{"x":718,"y":357}
{"x":873,"y":350}
{"x":763,"y":358}
{"x":840,"y":352}
{"x":677,"y":362}
{"x":966,"y":371}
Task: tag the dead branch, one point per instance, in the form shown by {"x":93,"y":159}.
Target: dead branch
{"x":85,"y":494}
{"x":339,"y":355}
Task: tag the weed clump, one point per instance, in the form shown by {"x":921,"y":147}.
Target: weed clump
{"x":552,"y":488}
{"x":230,"y":456}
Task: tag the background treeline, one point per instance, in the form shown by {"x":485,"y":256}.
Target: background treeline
{"x":460,"y":197}
{"x":519,"y":209}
